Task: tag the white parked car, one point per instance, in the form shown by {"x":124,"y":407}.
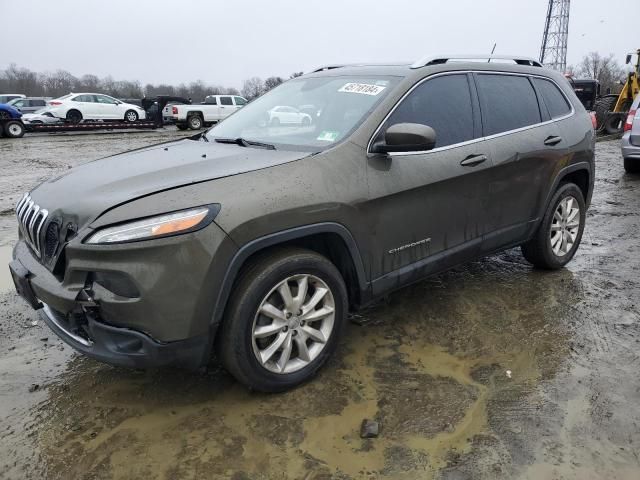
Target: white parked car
{"x":76,"y":107}
{"x":39,"y":117}
{"x":7,"y":97}
{"x":214,"y":109}
{"x":285,"y":115}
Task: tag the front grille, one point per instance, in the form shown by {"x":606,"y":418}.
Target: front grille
{"x":51,"y":238}
{"x":31,"y":219}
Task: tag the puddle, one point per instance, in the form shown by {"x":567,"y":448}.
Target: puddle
{"x":6,"y":282}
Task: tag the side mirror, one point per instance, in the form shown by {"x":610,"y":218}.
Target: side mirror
{"x":406,"y":137}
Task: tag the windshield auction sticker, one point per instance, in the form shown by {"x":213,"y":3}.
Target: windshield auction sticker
{"x":328,"y":136}
{"x":362,"y":88}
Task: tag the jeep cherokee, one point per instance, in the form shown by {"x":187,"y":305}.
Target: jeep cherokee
{"x":255,"y":239}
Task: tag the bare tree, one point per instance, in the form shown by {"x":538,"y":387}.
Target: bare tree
{"x":252,"y":88}
{"x":604,"y":69}
{"x":272,"y":82}
{"x":15,"y":79}
{"x":296,"y":74}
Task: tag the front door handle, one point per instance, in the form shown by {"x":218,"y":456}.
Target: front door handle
{"x":552,"y":140}
{"x":473,"y":160}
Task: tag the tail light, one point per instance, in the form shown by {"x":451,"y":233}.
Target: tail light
{"x":174,"y":110}
{"x":594,"y":120}
{"x":55,"y":103}
{"x":629,"y":123}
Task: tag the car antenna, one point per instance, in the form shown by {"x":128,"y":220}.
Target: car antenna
{"x":492,"y":50}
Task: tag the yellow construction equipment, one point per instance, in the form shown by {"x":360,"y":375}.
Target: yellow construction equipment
{"x":612,"y":109}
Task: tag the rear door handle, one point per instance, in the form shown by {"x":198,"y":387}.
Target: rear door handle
{"x":552,"y":140}
{"x":473,"y":160}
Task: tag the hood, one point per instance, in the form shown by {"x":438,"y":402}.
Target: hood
{"x":83,"y":193}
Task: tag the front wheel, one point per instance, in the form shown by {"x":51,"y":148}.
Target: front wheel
{"x":130,"y":116}
{"x":559,"y":234}
{"x":181,"y":126}
{"x":284,"y":320}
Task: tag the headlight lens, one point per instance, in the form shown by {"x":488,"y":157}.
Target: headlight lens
{"x":154,"y":227}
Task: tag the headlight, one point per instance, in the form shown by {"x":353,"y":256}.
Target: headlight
{"x":155,"y":227}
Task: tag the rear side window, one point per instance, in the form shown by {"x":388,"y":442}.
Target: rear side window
{"x":37,"y":103}
{"x":211,"y":101}
{"x":444,"y":104}
{"x":552,"y":97}
{"x":508,"y":102}
{"x":226,"y":101}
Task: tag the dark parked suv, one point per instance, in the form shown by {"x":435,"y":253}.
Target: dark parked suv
{"x":255,"y":240}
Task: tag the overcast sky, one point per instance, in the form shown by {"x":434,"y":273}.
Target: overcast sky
{"x":225,"y":42}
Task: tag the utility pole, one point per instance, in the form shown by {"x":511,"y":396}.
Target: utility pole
{"x":553,"y":52}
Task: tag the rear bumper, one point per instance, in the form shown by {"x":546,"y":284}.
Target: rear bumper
{"x":125,"y":347}
{"x":630,"y":145}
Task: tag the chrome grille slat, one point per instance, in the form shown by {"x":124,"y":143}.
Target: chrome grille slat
{"x":31,"y":220}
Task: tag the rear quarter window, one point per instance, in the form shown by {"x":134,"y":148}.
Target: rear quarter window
{"x":508,"y":102}
{"x":554,"y":100}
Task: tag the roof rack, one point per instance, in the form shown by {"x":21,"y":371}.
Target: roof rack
{"x":438,"y":60}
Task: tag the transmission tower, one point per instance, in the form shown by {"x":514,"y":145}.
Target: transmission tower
{"x":556,"y":31}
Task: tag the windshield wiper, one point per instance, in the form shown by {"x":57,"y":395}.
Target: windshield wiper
{"x":246,"y":143}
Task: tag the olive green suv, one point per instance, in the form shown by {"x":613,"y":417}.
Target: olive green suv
{"x":255,"y":238}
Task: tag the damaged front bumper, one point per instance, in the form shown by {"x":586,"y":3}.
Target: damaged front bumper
{"x":146,"y":304}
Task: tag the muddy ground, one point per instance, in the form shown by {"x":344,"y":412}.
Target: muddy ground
{"x":491,"y":371}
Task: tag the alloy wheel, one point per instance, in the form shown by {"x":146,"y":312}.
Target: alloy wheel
{"x":293,"y":324}
{"x":565,"y":226}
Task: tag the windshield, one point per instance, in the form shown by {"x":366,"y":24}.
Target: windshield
{"x":308,"y":114}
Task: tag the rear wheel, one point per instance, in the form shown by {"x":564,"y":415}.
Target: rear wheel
{"x":130,"y":116}
{"x":603,"y":106}
{"x":615,"y":123}
{"x":559,"y":234}
{"x":284,"y":320}
{"x":14,"y":129}
{"x":632,"y":165}
{"x":74,"y":116}
{"x":275,"y":122}
{"x":195,"y":122}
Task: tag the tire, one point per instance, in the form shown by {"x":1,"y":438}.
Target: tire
{"x":130,"y":116}
{"x":275,"y":122}
{"x":181,"y":126}
{"x":74,"y":116}
{"x":306,"y":121}
{"x":239,"y":350}
{"x":632,"y":165}
{"x":14,"y":129}
{"x":602,"y":107}
{"x":195,"y":122}
{"x":539,"y":250}
{"x":615,"y":123}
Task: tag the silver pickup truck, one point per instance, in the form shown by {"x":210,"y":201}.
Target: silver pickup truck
{"x":212,"y":110}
